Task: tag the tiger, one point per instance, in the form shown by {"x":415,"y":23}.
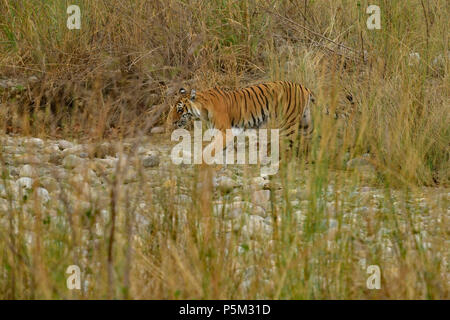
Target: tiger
{"x":283,"y":105}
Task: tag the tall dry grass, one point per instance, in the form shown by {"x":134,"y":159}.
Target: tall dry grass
{"x":127,"y":58}
{"x":103,"y":81}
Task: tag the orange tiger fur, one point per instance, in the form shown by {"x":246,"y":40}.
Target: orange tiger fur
{"x":281,"y":104}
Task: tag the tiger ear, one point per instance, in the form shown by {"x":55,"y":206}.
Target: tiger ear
{"x":182,"y":91}
{"x":193,"y":94}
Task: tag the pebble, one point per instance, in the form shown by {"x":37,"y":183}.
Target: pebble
{"x":230,"y":210}
{"x":64,"y":144}
{"x":10,"y":189}
{"x":73,"y":150}
{"x":43,"y":194}
{"x":256,"y":226}
{"x":71,"y":161}
{"x":247,"y":211}
{"x":225,"y":184}
{"x":27,"y":171}
{"x":259,"y":183}
{"x":49,"y":183}
{"x":33,"y":79}
{"x":103,"y":150}
{"x":34,"y":143}
{"x":357,"y":162}
{"x":52,"y":149}
{"x":13,"y":172}
{"x":262,"y":198}
{"x":28,"y":159}
{"x":157,"y":130}
{"x":150,"y":161}
{"x":25,"y":183}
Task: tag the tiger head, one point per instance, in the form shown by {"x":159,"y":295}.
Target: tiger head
{"x":182,"y":112}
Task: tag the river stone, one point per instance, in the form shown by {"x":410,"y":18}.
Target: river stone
{"x":27,"y":171}
{"x":151,"y":160}
{"x":225,"y":184}
{"x":231,"y":210}
{"x":259,"y":211}
{"x":71,"y":161}
{"x":33,"y":79}
{"x":34,"y":143}
{"x":52,"y":149}
{"x":157,"y":130}
{"x":256,"y":226}
{"x":261,"y":198}
{"x":64,"y":144}
{"x":49,"y":183}
{"x":43,"y":194}
{"x":11,"y":188}
{"x":12,"y":149}
{"x":25,"y":183}
{"x":259,"y":183}
{"x":103,"y":150}
{"x":28,"y":159}
{"x":73,"y":150}
{"x":13,"y":172}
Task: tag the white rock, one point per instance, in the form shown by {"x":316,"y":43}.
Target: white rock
{"x":11,"y":188}
{"x":27,"y":171}
{"x":13,"y":172}
{"x":141,"y":150}
{"x":414,"y":58}
{"x":34,"y":142}
{"x":109,"y":162}
{"x":230,"y":210}
{"x":259,"y":183}
{"x":130,"y":175}
{"x":225,"y":184}
{"x":33,"y":79}
{"x":157,"y":130}
{"x":77,"y":179}
{"x":88,"y":173}
{"x":299,"y":216}
{"x":43,"y":195}
{"x":49,"y":183}
{"x":73,"y":150}
{"x":259,"y":211}
{"x":51,"y":149}
{"x":64,"y":144}
{"x":256,"y":226}
{"x":150,"y":161}
{"x":4,"y":205}
{"x":25,"y":183}
{"x":104,"y":215}
{"x":71,"y":161}
{"x":333,"y":223}
{"x":28,"y":159}
{"x":12,"y":149}
{"x":261,"y":198}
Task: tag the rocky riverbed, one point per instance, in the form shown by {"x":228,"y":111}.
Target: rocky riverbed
{"x":58,"y":179}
